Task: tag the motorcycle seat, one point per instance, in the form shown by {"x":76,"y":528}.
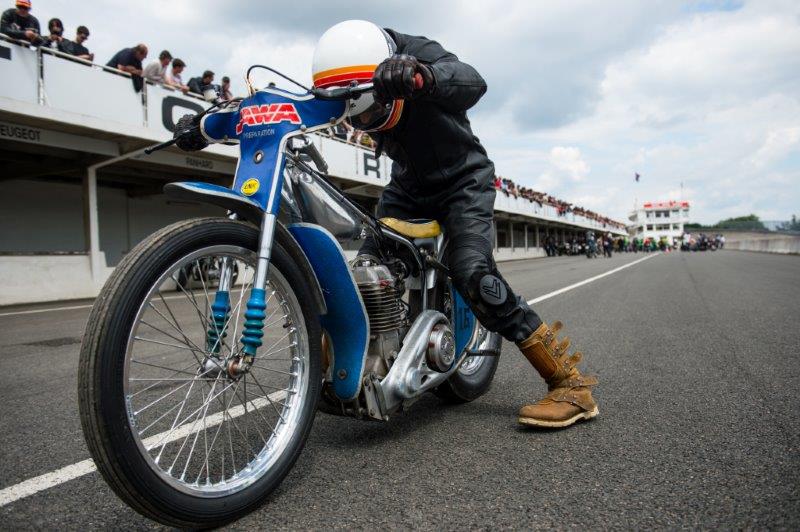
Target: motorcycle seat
{"x":413,"y":228}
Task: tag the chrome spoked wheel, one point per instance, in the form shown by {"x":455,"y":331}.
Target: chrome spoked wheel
{"x":204,"y":427}
{"x":182,"y":428}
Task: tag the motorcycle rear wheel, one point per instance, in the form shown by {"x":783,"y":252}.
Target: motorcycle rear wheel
{"x":475,"y":375}
{"x":177,"y":437}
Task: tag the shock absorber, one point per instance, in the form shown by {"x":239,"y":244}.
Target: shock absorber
{"x":254,"y":322}
{"x":220,"y":309}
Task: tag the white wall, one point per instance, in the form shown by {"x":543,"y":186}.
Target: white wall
{"x":785,"y":245}
{"x":46,"y":278}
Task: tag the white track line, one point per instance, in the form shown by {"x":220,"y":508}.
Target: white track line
{"x":65,"y":474}
{"x":589,"y":280}
{"x":39,"y":311}
{"x":73,"y":307}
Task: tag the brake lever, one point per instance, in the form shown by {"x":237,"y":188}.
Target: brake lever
{"x":166,"y":144}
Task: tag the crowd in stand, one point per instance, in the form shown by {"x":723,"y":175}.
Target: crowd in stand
{"x":18,"y":23}
{"x":511,"y":189}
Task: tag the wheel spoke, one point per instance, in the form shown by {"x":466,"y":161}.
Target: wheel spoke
{"x":200,"y":427}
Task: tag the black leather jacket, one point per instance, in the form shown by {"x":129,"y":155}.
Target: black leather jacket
{"x":15,"y":26}
{"x":433,"y":146}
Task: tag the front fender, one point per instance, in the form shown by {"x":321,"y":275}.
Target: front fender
{"x":346,"y":322}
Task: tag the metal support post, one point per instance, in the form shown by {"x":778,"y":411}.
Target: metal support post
{"x":525,"y":225}
{"x":91,"y":220}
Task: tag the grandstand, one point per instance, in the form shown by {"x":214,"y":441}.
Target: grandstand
{"x":78,"y":193}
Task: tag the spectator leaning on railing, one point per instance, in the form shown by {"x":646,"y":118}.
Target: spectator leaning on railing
{"x":56,"y":29}
{"x":18,"y":23}
{"x":156,"y":70}
{"x":225,"y":89}
{"x":76,"y":47}
{"x":198,"y":84}
{"x":173,"y":77}
{"x":130,"y":60}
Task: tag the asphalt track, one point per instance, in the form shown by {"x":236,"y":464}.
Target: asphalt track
{"x":697,"y":356}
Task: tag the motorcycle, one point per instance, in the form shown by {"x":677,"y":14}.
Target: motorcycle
{"x":591,"y":249}
{"x":197,"y":398}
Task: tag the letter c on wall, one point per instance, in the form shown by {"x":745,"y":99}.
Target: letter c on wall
{"x":169,"y":103}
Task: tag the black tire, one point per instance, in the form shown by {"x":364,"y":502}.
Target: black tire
{"x":105,"y":425}
{"x":461,"y":388}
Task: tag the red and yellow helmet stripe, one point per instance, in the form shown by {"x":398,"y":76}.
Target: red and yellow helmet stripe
{"x":344,"y":75}
{"x":394,"y":116}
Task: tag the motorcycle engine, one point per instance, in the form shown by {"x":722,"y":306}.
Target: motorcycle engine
{"x":382,"y":293}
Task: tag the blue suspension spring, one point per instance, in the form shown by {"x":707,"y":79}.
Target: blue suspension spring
{"x":254,"y":324}
{"x":219,"y":319}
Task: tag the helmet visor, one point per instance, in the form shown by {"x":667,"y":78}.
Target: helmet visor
{"x":369,"y":116}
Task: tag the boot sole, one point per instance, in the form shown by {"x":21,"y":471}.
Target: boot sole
{"x":532,"y":422}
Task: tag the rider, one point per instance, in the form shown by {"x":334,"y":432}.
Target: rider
{"x":441,"y":171}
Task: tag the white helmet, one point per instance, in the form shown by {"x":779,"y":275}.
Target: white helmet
{"x":350,"y":52}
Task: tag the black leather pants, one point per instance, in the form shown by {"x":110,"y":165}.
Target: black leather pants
{"x":466,"y":211}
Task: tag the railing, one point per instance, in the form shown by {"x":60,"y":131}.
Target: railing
{"x":525,"y":207}
{"x":61,"y":81}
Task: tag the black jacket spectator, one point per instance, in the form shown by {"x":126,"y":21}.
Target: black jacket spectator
{"x":197,"y":84}
{"x":14,"y":25}
{"x":73,"y":48}
{"x":125,"y":57}
{"x":130,"y":60}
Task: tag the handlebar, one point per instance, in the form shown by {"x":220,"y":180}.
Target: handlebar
{"x":354,"y":91}
{"x":342,"y":93}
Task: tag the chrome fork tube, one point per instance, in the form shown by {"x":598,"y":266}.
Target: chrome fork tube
{"x":264,"y":250}
{"x":257,"y":304}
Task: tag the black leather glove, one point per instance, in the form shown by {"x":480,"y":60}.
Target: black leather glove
{"x":187,"y":131}
{"x":396,"y":78}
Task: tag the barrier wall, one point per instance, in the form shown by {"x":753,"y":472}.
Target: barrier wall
{"x":786,"y":245}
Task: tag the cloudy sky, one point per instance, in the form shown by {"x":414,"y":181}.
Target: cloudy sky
{"x":582,"y":94}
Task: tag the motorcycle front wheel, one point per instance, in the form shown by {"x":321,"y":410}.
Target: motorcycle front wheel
{"x":176,"y":432}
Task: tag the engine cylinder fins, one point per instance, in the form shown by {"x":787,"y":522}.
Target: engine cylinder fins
{"x":376,"y":284}
{"x":383,"y":307}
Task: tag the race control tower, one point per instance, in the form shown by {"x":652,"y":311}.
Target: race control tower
{"x":660,"y":219}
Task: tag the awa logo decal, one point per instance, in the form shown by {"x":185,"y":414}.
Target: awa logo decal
{"x":250,"y":187}
{"x":273,"y":113}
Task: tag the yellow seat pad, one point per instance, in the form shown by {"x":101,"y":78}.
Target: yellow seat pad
{"x":413,"y":229}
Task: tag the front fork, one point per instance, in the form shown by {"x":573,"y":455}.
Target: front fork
{"x":256,"y":304}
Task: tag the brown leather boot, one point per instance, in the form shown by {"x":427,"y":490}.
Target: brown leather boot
{"x":569,"y":398}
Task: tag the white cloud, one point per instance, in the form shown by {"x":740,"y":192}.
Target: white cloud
{"x":569,"y":161}
{"x":778,"y":144}
{"x":288,"y":54}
